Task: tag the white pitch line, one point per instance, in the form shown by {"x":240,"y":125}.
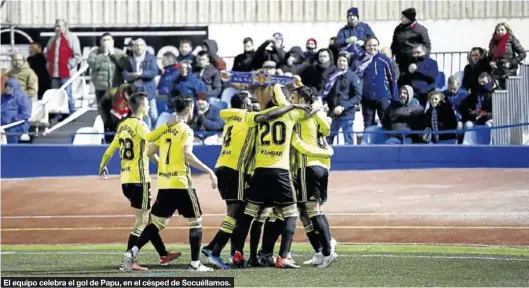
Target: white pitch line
{"x":347,"y":255}
{"x":475,"y":214}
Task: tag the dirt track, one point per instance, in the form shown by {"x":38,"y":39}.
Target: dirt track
{"x":478,"y":206}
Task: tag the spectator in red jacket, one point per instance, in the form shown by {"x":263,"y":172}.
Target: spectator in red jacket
{"x":63,"y":55}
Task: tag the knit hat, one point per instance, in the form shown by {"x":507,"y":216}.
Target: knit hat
{"x":353,"y":11}
{"x":410,"y":14}
{"x":345,"y":54}
{"x":313,"y":40}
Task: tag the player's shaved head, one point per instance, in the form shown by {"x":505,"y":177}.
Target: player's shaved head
{"x":137,"y":101}
{"x":181,"y":103}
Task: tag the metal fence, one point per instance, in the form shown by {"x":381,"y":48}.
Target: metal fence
{"x":511,"y":107}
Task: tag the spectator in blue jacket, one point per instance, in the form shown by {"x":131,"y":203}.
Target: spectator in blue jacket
{"x":16,"y":106}
{"x":167,"y":79}
{"x":456,"y":96}
{"x":379,"y":82}
{"x":355,"y":31}
{"x":186,"y":84}
{"x":421,"y":74}
{"x":186,"y":48}
{"x":140,"y":70}
{"x":342,"y":93}
{"x":207,"y":118}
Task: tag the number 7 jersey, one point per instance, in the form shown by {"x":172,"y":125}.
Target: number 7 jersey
{"x":238,"y":138}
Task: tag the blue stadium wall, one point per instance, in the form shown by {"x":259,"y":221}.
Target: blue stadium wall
{"x":27,"y":161}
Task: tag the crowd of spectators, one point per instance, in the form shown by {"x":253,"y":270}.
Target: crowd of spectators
{"x":394,"y":83}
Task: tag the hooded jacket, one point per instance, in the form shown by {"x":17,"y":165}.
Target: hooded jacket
{"x":472,"y":70}
{"x":213,"y":49}
{"x":297,"y":67}
{"x":28,"y":80}
{"x":407,"y":117}
{"x":315,"y":76}
{"x":15,"y":107}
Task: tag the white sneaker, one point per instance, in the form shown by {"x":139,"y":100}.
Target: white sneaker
{"x":327,"y":260}
{"x":289,"y":257}
{"x":127,"y":261}
{"x":200,"y":268}
{"x":230,"y":259}
{"x":333,"y":246}
{"x":317,"y":259}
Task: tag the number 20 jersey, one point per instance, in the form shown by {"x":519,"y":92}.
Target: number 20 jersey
{"x":131,"y":138}
{"x":238,"y":138}
{"x":274,"y":138}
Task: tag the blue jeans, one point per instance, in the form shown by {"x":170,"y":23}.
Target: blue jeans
{"x":56,"y":83}
{"x":153,"y":113}
{"x":347,"y":130}
{"x":397,"y":141}
{"x":19,"y":129}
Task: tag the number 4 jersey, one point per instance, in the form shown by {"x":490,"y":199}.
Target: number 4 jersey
{"x":238,"y":138}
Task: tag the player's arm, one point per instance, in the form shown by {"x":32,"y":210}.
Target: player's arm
{"x":152,"y":136}
{"x":194,"y":161}
{"x":323,"y":123}
{"x":107,"y":156}
{"x":309,"y":150}
{"x":151,"y":153}
{"x":276,"y":113}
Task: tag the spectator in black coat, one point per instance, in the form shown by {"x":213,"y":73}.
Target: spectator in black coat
{"x":405,"y":115}
{"x":294,"y":61}
{"x":406,"y":36}
{"x":243,"y":62}
{"x":440,"y":117}
{"x":421,"y":74}
{"x":332,"y":47}
{"x":270,"y":50}
{"x":479,"y":103}
{"x":477,"y":64}
{"x":505,"y":53}
{"x":209,"y":75}
{"x":37,"y":62}
{"x":316,"y":75}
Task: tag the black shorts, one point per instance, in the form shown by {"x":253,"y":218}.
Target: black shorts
{"x":271,"y":186}
{"x":311,"y":184}
{"x":168,"y":201}
{"x":139,"y":194}
{"x":232,"y":184}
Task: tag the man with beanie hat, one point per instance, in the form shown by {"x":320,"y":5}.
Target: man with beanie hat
{"x":355,"y":31}
{"x":407,"y":35}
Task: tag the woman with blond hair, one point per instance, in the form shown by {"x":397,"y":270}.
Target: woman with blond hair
{"x":505,"y":53}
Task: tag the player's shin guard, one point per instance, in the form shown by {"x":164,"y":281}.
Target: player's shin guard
{"x":272,"y":230}
{"x":255,"y":236}
{"x":224,"y":235}
{"x":195,"y":241}
{"x":313,"y":237}
{"x":287,"y":235}
{"x":324,"y":236}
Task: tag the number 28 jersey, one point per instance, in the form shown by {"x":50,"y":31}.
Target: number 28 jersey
{"x":274,"y":138}
{"x":131,"y":138}
{"x":238,"y":138}
{"x":173,"y":169}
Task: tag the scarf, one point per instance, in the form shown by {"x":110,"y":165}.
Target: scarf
{"x":435,"y":126}
{"x":258,"y":79}
{"x":331,"y":80}
{"x":498,"y":44}
{"x":364,"y":63}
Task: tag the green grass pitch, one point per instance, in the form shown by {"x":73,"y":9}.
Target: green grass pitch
{"x":357,"y":265}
